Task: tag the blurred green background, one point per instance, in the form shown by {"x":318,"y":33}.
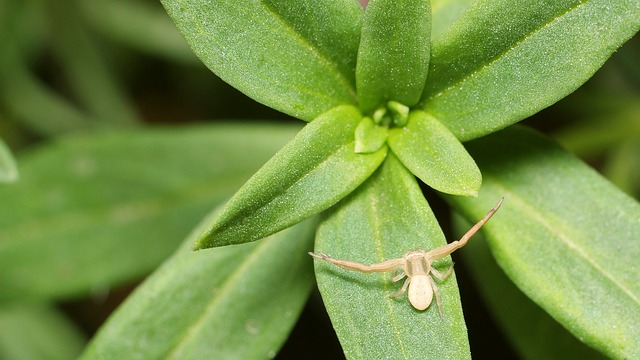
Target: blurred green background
{"x":82,"y":68}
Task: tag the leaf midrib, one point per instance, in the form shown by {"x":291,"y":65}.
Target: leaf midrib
{"x":471,"y":74}
{"x":324,"y":58}
{"x":572,"y":246}
{"x":381,"y":256}
{"x":152,"y":206}
{"x":228,"y":286}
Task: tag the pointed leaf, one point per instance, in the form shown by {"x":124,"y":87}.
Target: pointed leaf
{"x":393,"y":57}
{"x":381,"y":220}
{"x":500,"y":63}
{"x":565,"y":236}
{"x":8,"y":169}
{"x":532,"y":332}
{"x":294,"y":56}
{"x":234,"y":302}
{"x":312,"y":172}
{"x":432,"y":153}
{"x":93,"y":211}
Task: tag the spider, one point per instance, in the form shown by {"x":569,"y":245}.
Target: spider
{"x":415,"y":265}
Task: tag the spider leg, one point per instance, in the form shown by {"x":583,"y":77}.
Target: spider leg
{"x":384,"y":266}
{"x":398,"y":276}
{"x":441,"y":276}
{"x":404,"y":288}
{"x":435,"y":291}
{"x":442,"y":251}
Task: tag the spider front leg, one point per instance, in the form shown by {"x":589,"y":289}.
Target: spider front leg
{"x":388,"y":265}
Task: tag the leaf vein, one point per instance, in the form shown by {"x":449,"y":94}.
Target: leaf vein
{"x":504,"y":53}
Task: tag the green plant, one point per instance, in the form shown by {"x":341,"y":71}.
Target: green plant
{"x":389,"y":94}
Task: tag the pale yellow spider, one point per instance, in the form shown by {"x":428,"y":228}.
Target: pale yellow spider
{"x":416,"y":266}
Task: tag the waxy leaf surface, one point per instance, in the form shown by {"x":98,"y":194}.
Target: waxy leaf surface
{"x":381,"y":220}
{"x":531,"y":331}
{"x":294,"y":56}
{"x":393,"y":57}
{"x":501,"y":62}
{"x":312,"y":172}
{"x":432,"y":153}
{"x":234,"y":302}
{"x":565,"y":236}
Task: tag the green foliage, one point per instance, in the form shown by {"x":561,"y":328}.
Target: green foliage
{"x":554,"y":237}
{"x":279,"y":195}
{"x":296,"y":57}
{"x":393,"y":57}
{"x":389,"y":93}
{"x":102,"y":212}
{"x":525,"y":324}
{"x":382,"y":219}
{"x":428,"y":149}
{"x":235,"y":302}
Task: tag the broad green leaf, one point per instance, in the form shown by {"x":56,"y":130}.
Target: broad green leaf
{"x":8,"y":169}
{"x":393,"y":57}
{"x":234,"y":302}
{"x":432,"y":153}
{"x":381,"y":220}
{"x":33,"y":332}
{"x":564,"y":235}
{"x":297,"y":57}
{"x":444,"y":13}
{"x":534,"y":334}
{"x":312,"y":172}
{"x":500,"y":63}
{"x":93,"y":211}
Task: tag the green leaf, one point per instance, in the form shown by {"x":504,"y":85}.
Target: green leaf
{"x":564,"y":235}
{"x":369,"y":136}
{"x":534,"y":334}
{"x":312,"y":172}
{"x":294,"y":56}
{"x":444,"y":13}
{"x":381,"y":220}
{"x":93,"y":211}
{"x":235,"y":302}
{"x":37,"y":332}
{"x":393,"y":57}
{"x":501,"y":63}
{"x":8,"y":169}
{"x":432,"y":153}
